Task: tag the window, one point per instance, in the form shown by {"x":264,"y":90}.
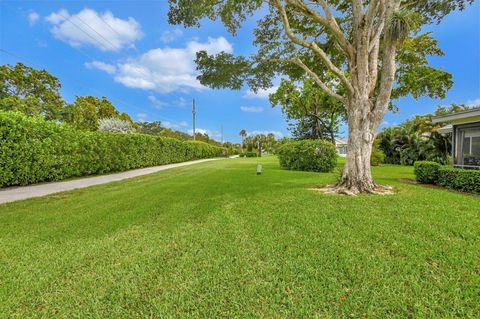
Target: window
{"x":467,"y":150}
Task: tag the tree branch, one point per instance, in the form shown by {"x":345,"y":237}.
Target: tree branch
{"x":317,"y":79}
{"x":328,"y":22}
{"x":312,"y":46}
{"x":379,"y":29}
{"x":387,"y":74}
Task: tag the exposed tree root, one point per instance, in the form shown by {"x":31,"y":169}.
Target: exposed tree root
{"x":353,"y":191}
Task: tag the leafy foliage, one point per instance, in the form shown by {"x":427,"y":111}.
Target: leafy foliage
{"x":276,"y":50}
{"x":308,"y":155}
{"x":250,"y":154}
{"x":377,"y":157}
{"x":87,"y":111}
{"x":426,"y":172}
{"x":259,"y":143}
{"x":32,"y":92}
{"x":34,"y":150}
{"x":312,"y":114}
{"x":417,"y":139}
{"x":460,"y":179}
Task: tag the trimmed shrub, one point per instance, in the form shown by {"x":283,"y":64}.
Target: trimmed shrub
{"x":459,"y":179}
{"x":33,"y":150}
{"x":250,"y":154}
{"x":426,"y":172}
{"x":308,"y":155}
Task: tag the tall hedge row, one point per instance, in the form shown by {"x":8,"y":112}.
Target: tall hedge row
{"x":33,"y":150}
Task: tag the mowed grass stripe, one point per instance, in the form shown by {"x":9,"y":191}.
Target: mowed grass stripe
{"x":215,"y":240}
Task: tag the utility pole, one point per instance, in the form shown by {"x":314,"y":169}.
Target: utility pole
{"x":193,"y":117}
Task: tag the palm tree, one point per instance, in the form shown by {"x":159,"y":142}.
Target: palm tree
{"x":243,"y":134}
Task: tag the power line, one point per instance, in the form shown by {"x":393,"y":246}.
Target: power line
{"x":76,"y":25}
{"x":86,"y":55}
{"x":85,"y":86}
{"x":114,"y":47}
{"x":91,"y":28}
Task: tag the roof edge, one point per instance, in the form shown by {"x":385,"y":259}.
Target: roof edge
{"x":457,"y":116}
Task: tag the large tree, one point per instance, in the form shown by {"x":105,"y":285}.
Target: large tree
{"x":87,"y":111}
{"x":374,"y":50}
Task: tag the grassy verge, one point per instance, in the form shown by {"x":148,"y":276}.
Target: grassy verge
{"x":215,"y":240}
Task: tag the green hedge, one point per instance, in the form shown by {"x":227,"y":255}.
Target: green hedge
{"x":33,"y":150}
{"x":308,"y":155}
{"x":459,"y":179}
{"x":426,"y":172}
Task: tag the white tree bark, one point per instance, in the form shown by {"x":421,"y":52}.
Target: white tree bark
{"x":368,"y":82}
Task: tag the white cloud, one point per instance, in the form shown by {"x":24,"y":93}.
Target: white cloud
{"x":174,"y":125}
{"x":261,"y":94}
{"x":158,"y":104}
{"x":169,"y":36}
{"x":168,"y":69}
{"x":212,"y":134}
{"x":475,"y":102}
{"x":251,"y":109}
{"x":142,"y":116}
{"x":105,"y":67}
{"x":181,"y":102}
{"x":277,"y":134}
{"x":33,"y":18}
{"x":104,"y":31}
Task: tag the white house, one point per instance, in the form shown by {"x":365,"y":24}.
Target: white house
{"x":341,"y":147}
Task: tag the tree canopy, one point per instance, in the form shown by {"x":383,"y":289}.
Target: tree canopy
{"x":30,"y":91}
{"x":363,"y":53}
{"x":297,"y":37}
{"x":87,"y":111}
{"x":312,"y":114}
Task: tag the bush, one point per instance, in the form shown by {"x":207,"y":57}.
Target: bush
{"x":459,"y":179}
{"x":33,"y":150}
{"x":426,"y":172}
{"x":250,"y":154}
{"x":377,"y":157}
{"x":308,"y":155}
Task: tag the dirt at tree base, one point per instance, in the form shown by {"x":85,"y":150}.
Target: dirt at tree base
{"x":340,"y":190}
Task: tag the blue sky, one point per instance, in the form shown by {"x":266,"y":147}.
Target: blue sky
{"x":109,"y":48}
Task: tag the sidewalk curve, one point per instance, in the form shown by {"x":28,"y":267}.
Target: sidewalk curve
{"x":12,"y":194}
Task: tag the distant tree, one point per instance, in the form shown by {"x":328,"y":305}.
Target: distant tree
{"x":260,"y":142}
{"x":312,"y":113}
{"x":243,"y":134}
{"x":154,"y":127}
{"x":87,"y":111}
{"x":32,"y":92}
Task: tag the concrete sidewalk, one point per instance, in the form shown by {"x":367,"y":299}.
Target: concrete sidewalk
{"x":12,"y":194}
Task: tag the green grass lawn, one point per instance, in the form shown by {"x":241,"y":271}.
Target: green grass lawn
{"x":214,"y":240}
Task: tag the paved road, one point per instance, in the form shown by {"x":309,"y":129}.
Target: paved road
{"x":12,"y":194}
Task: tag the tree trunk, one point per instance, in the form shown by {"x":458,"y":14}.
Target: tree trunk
{"x":356,"y":176}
